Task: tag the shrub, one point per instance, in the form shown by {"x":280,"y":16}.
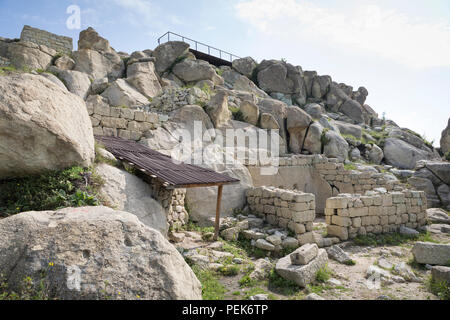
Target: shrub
{"x":323,"y":274}
{"x":212,"y":289}
{"x":439,"y":288}
{"x":73,"y":187}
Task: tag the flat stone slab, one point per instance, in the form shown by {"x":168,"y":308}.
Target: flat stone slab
{"x":440,"y":273}
{"x":304,"y":254}
{"x":431,"y":253}
{"x":301,"y":275}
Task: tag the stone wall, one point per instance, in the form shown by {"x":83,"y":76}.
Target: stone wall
{"x":286,"y":209}
{"x":50,"y":40}
{"x":126,"y":123}
{"x":174,"y":99}
{"x":321,"y":176}
{"x":376,"y":212}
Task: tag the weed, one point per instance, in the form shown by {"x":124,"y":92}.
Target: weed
{"x":229,"y":270}
{"x":439,"y":288}
{"x":281,"y":285}
{"x":323,"y":274}
{"x":237,"y":113}
{"x":73,"y":187}
{"x":350,"y":262}
{"x":212,"y":289}
{"x":350,"y":166}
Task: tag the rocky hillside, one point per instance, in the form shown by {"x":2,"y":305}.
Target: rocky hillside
{"x":52,"y":103}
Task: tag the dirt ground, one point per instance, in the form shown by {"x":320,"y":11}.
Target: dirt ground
{"x":348,"y":282}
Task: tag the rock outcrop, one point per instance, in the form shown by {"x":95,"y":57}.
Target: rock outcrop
{"x":445,"y":139}
{"x":126,"y":192}
{"x":81,"y":249}
{"x":42,"y":127}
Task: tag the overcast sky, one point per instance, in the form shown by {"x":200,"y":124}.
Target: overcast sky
{"x":399,"y":50}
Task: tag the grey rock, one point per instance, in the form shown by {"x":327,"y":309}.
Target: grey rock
{"x":441,"y":273}
{"x":408,"y":231}
{"x":42,"y":127}
{"x":137,"y":261}
{"x":304,"y":254}
{"x":167,"y":53}
{"x":336,"y":253}
{"x":245,"y":66}
{"x":436,"y":215}
{"x":313,"y":296}
{"x":301,"y":275}
{"x":431,"y":253}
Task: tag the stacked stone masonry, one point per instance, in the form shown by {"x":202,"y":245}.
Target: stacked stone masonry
{"x":286,"y":209}
{"x":172,"y":200}
{"x":376,"y":212}
{"x":126,"y":123}
{"x":50,"y":40}
{"x":334,"y":172}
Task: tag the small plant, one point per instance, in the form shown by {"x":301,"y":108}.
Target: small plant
{"x":439,"y":288}
{"x":323,"y":274}
{"x":350,"y":166}
{"x":447,"y":156}
{"x":350,"y":262}
{"x":212,"y":289}
{"x":281,"y":285}
{"x":206,"y":89}
{"x":73,"y":187}
{"x":229,"y":270}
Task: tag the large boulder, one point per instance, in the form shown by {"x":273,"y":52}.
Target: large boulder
{"x":438,"y":216}
{"x":353,"y":110}
{"x":28,"y":55}
{"x":245,"y":66}
{"x":298,"y":121}
{"x":335,"y":146}
{"x":99,"y":64}
{"x":43,"y":127}
{"x":76,"y":82}
{"x":81,"y":249}
{"x":402,"y":154}
{"x":431,"y":253}
{"x":335,"y":97}
{"x":217,"y":109}
{"x":120,"y":93}
{"x":126,"y":192}
{"x":361,"y":95}
{"x":250,"y":112}
{"x":142,"y":76}
{"x":445,"y":139}
{"x":313,"y":141}
{"x":195,"y":70}
{"x":349,"y":129}
{"x":90,"y":39}
{"x":320,"y":86}
{"x":376,"y":154}
{"x":168,"y":53}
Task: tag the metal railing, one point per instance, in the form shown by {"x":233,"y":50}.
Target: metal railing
{"x":221,"y":54}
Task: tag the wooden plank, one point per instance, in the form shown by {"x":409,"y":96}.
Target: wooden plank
{"x":219,"y":202}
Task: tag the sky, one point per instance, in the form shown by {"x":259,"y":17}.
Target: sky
{"x":399,"y":50}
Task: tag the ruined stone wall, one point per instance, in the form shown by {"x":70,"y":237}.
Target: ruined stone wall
{"x":321,"y":176}
{"x":376,"y":212}
{"x":50,"y":40}
{"x":173,"y":203}
{"x":125,"y":123}
{"x":286,"y":209}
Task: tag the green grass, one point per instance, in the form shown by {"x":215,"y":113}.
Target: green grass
{"x":447,"y":156}
{"x":281,"y":285}
{"x":350,"y":262}
{"x":256,"y":290}
{"x":237,"y":114}
{"x":100,"y":159}
{"x":242,"y":248}
{"x":323,"y":274}
{"x":73,"y":187}
{"x":229,"y":270}
{"x":350,"y":166}
{"x":191,"y":226}
{"x":440,"y":289}
{"x":212,"y":289}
